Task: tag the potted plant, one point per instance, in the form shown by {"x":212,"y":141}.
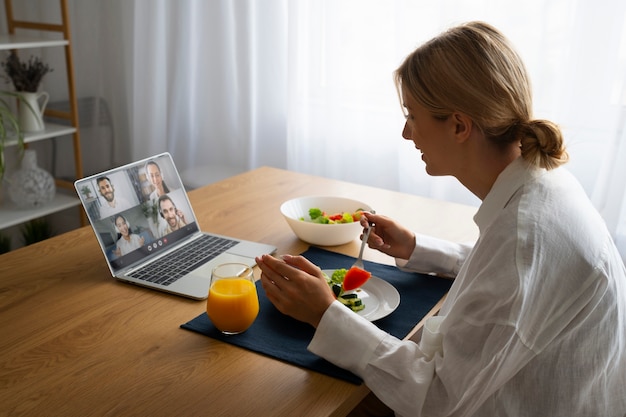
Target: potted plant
{"x":36,"y":230}
{"x":26,"y":78}
{"x":9,"y":128}
{"x":86,"y":191}
{"x":5,"y":243}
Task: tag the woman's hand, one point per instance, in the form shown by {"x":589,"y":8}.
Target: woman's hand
{"x":296,"y":287}
{"x":388,"y":236}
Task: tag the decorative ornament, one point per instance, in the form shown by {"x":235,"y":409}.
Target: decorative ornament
{"x":31,"y":186}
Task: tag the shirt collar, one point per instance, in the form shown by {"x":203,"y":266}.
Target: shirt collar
{"x":512,"y":178}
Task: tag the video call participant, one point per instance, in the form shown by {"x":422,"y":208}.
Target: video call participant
{"x":153,"y":171}
{"x":113,"y":204}
{"x":129,"y":241}
{"x":174,"y":217}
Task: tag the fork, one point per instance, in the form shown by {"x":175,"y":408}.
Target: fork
{"x":359,"y":261}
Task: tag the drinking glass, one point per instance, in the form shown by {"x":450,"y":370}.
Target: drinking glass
{"x":233,"y":303}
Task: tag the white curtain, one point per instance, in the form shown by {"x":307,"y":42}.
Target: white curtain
{"x":307,"y":85}
{"x":208,"y":82}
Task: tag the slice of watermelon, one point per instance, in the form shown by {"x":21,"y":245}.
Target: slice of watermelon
{"x":355,"y":277}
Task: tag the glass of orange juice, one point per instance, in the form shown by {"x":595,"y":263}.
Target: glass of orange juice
{"x":233,"y":303}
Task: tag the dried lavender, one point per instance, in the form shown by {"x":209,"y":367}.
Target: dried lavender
{"x":25,"y":76}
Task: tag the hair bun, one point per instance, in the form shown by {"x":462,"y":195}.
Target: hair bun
{"x":543,"y":144}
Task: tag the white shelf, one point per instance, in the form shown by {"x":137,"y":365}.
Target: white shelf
{"x":43,"y":35}
{"x":24,"y":42}
{"x":52,"y":130}
{"x":11,"y":215}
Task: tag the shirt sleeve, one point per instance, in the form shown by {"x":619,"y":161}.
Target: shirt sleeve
{"x":434,"y":255}
{"x":353,"y":343}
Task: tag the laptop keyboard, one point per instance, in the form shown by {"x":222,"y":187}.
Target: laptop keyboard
{"x":180,"y":262}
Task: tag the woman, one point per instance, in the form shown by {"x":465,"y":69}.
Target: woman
{"x":153,"y":171}
{"x":535,"y":321}
{"x":128,"y":241}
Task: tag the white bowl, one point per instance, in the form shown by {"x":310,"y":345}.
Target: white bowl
{"x":322,"y":234}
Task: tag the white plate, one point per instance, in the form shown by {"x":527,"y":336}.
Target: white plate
{"x":380,"y":297}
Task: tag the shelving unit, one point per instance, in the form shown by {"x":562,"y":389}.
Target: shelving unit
{"x":66,"y":196}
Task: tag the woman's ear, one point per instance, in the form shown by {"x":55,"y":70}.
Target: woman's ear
{"x":462,"y":125}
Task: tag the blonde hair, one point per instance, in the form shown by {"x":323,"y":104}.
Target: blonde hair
{"x":473,"y":69}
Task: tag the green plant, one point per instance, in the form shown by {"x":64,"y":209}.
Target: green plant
{"x":9,"y":127}
{"x":36,"y":230}
{"x":150,"y":210}
{"x":5,"y":243}
{"x":25,"y":76}
{"x":86,"y":191}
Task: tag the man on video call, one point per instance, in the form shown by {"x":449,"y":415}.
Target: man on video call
{"x":174,"y":217}
{"x":112,"y":204}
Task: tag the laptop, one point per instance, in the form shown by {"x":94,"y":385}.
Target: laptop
{"x":148,"y":232}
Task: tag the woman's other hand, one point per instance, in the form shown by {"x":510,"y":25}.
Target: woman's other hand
{"x":296,"y":287}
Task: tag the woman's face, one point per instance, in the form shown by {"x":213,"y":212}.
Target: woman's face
{"x":121,"y":226}
{"x":155,"y":175}
{"x":432,"y":137}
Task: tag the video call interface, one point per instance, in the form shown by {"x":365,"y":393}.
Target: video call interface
{"x":137,"y":210}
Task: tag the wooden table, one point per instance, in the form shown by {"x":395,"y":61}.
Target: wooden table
{"x":76,"y":342}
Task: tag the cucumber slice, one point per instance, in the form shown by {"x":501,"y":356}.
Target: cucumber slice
{"x":344,"y":301}
{"x":357,"y":308}
{"x":336,"y":289}
{"x":350,"y":296}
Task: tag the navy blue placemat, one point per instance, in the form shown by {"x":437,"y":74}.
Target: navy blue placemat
{"x":284,"y":338}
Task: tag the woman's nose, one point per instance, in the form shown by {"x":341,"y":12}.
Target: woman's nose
{"x":406,"y":132}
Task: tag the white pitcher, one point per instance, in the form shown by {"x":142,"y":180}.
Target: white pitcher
{"x":31,"y":118}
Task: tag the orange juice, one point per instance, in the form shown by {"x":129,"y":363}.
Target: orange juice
{"x":233,"y":304}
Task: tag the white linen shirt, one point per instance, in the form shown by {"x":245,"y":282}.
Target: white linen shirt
{"x":534,"y":323}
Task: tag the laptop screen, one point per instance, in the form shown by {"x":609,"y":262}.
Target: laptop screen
{"x":137,"y":210}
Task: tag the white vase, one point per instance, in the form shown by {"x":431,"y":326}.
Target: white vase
{"x":31,"y":186}
{"x":30,"y":115}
